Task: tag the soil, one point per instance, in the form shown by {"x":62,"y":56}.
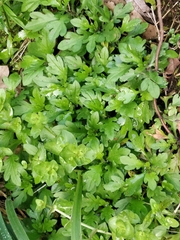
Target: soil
{"x":171,"y":14}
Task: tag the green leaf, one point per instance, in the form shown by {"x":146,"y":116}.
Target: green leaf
{"x":174,"y":179}
{"x":151,"y":179}
{"x":128,"y":25}
{"x":4,"y":233}
{"x":131,"y":162}
{"x":109,"y":127}
{"x":92,"y":178}
{"x":114,"y":185}
{"x":171,"y":53}
{"x":91,"y":100}
{"x":12,"y":170}
{"x":151,"y":86}
{"x":121,"y":226}
{"x":115,"y":73}
{"x":43,"y":45}
{"x":126,"y":95}
{"x":134,"y":184}
{"x":72,"y":42}
{"x":14,"y":221}
{"x":32,"y":69}
{"x":116,"y":152}
{"x":2,"y":98}
{"x":30,"y":149}
{"x":39,"y":20}
{"x":30,"y":5}
{"x":73,"y":62}
{"x":121,"y":12}
{"x":91,"y":44}
{"x":76,"y":212}
{"x":49,"y":176}
{"x":56,"y":67}
{"x":12,"y":15}
{"x":92,"y":202}
{"x":12,"y":81}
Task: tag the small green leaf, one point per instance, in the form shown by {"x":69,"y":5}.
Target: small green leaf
{"x":12,"y":15}
{"x":151,"y":86}
{"x":12,"y":81}
{"x":12,"y":170}
{"x":151,"y":179}
{"x":56,"y":67}
{"x":134,"y":184}
{"x":2,"y":98}
{"x":30,"y":5}
{"x":30,"y":149}
{"x":92,"y":178}
{"x":120,"y":11}
{"x":131,"y":162}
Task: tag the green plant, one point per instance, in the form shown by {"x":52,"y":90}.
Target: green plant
{"x":82,"y":127}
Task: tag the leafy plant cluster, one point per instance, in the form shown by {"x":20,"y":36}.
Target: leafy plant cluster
{"x":78,"y":125}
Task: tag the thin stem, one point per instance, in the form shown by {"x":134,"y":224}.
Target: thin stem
{"x":82,"y":224}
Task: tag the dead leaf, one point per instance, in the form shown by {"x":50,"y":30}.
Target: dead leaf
{"x":112,"y":3}
{"x":173,"y":64}
{"x":159,"y":135}
{"x":4,"y":72}
{"x":142,"y":8}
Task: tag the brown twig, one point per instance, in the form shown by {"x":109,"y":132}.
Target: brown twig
{"x":160,"y":38}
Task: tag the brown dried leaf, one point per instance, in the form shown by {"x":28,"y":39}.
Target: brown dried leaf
{"x":159,"y":135}
{"x":4,"y":72}
{"x":142,"y":8}
{"x":173,"y":64}
{"x":112,"y":3}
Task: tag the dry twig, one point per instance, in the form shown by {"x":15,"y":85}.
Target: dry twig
{"x":160,"y":37}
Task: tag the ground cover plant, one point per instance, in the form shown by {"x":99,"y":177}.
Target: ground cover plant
{"x":83,"y":153}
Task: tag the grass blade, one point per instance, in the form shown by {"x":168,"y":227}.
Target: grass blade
{"x":14,"y":221}
{"x":76,"y":212}
{"x":4,"y":233}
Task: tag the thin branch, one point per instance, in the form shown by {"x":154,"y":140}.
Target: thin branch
{"x":160,"y":38}
{"x":170,"y":10}
{"x":82,"y":224}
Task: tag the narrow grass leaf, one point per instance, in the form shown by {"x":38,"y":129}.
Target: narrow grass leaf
{"x":76,"y":213}
{"x":4,"y":234}
{"x":14,"y":221}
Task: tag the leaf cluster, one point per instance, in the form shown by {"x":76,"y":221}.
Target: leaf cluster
{"x":80,"y":146}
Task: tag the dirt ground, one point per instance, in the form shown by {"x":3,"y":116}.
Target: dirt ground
{"x":171,"y":14}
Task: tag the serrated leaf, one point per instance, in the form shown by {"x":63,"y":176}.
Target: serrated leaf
{"x":72,"y":42}
{"x":56,"y":66}
{"x":131,"y":162}
{"x":30,"y":5}
{"x":134,"y":184}
{"x":114,"y":185}
{"x":92,"y":177}
{"x":12,"y":170}
{"x":151,"y":179}
{"x":120,"y":11}
{"x":128,"y":25}
{"x":73,"y":62}
{"x":12,"y":81}
{"x":39,"y":20}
